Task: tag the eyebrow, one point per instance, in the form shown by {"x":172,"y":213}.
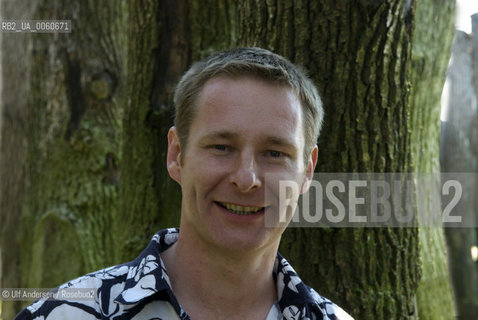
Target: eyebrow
{"x":220,"y":134}
{"x":282,"y":142}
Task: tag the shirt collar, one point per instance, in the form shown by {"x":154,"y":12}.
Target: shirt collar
{"x":147,"y":276}
{"x":291,"y":290}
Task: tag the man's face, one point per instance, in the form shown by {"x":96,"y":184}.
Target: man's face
{"x":243,"y":129}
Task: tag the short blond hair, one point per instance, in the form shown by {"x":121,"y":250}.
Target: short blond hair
{"x":253,"y":62}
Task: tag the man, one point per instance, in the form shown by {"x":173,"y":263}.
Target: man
{"x":240,"y":114}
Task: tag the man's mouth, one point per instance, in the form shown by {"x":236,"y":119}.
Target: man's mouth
{"x":240,"y":210}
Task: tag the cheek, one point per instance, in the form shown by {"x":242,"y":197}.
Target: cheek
{"x":202,"y":177}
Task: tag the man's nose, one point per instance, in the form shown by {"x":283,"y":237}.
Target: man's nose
{"x":246,"y":175}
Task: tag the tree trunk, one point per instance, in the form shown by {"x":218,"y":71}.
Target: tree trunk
{"x":430,"y":55}
{"x":359,"y":54}
{"x":12,"y":155}
{"x":457,"y":155}
{"x":61,"y":139}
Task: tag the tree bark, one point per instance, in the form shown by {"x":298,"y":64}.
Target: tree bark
{"x":93,"y":168}
{"x":12,"y":155}
{"x":60,"y":144}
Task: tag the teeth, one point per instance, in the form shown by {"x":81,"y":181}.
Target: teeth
{"x":240,"y":209}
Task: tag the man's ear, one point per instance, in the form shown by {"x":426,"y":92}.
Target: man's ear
{"x":174,"y":155}
{"x":309,"y":171}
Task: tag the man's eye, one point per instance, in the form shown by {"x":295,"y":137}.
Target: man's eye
{"x":275,"y":154}
{"x":219,"y":147}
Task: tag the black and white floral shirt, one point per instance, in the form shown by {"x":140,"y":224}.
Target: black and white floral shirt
{"x":140,"y":289}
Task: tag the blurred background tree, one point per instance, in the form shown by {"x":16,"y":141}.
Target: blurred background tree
{"x":83,"y":183}
{"x":459,"y":154}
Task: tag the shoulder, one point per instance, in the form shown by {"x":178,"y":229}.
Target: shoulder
{"x":315,"y":307}
{"x":298,"y":301}
{"x":325,"y":308}
{"x":113,"y":291}
{"x":85,"y":297}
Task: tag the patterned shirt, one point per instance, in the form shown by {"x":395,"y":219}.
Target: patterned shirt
{"x":141,"y":289}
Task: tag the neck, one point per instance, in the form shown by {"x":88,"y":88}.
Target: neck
{"x":213,"y":283}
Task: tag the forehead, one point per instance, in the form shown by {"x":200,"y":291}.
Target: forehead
{"x":246,"y":95}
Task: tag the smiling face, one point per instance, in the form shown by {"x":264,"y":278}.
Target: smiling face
{"x":243,"y":129}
